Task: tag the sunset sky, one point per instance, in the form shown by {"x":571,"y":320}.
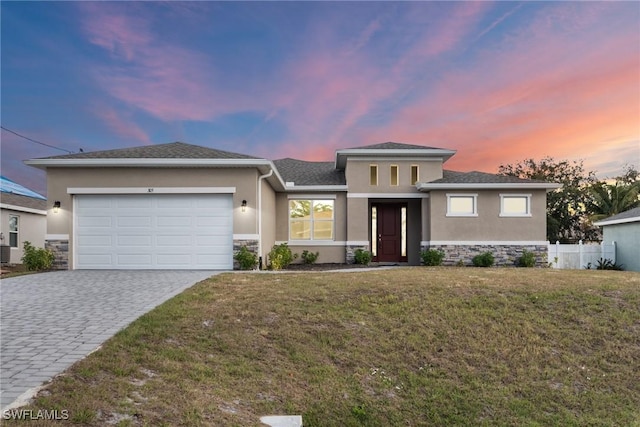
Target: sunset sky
{"x":499,"y":82}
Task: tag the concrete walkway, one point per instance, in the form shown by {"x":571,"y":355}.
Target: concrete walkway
{"x":51,"y":320}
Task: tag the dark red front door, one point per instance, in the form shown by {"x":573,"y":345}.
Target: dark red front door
{"x":389,"y":223}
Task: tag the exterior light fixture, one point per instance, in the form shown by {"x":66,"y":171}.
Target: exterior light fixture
{"x":244,"y":205}
{"x":56,"y":206}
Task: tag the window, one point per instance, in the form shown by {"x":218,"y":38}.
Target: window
{"x":515,"y":205}
{"x":13,"y":231}
{"x":462,"y":205}
{"x":393,"y":172}
{"x":373,"y":174}
{"x":414,"y":174}
{"x":311,"y":219}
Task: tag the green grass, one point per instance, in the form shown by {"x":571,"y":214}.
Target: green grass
{"x":411,"y":346}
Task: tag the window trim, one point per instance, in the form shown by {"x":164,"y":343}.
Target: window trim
{"x":372,"y":168}
{"x":515,"y":215}
{"x":474,"y":197}
{"x":16,"y":232}
{"x":312,"y":220}
{"x":393,"y":175}
{"x":411,"y":169}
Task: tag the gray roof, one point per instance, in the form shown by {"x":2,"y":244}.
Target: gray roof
{"x":173,"y":150}
{"x":24,"y":201}
{"x":475,"y":177}
{"x":309,"y":173}
{"x":393,"y":146}
{"x":626,"y":215}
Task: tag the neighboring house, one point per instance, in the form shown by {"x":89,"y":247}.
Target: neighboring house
{"x":23,"y":216}
{"x":624,"y":229}
{"x":179,"y":206}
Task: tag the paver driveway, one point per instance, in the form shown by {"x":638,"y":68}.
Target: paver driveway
{"x":51,"y":320}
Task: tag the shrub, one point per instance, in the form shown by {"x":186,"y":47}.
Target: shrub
{"x":460,"y":263}
{"x":528,"y":259}
{"x":432,"y":257}
{"x":309,"y":257}
{"x":362,"y":257}
{"x":37,"y":259}
{"x":607,"y":264}
{"x":247,"y":259}
{"x":485,"y":259}
{"x":281,"y":256}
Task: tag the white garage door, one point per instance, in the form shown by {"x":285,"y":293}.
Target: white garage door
{"x":160,"y":231}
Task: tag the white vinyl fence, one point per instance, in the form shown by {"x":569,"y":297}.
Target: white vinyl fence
{"x":575,"y":257}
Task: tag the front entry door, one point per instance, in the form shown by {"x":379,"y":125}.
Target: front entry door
{"x":389,"y":232}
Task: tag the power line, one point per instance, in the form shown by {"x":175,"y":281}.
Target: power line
{"x":33,"y":140}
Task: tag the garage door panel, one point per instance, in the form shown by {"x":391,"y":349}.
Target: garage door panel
{"x":175,"y":221}
{"x":95,"y":221}
{"x":134,"y":221}
{"x":95,"y":240}
{"x":133,"y":202}
{"x":94,"y":203}
{"x":135,"y":240}
{"x":175,"y":240}
{"x":137,"y":259}
{"x":96,"y":260}
{"x":154,"y":231}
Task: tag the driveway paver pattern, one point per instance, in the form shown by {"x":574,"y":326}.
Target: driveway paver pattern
{"x":49,"y":321}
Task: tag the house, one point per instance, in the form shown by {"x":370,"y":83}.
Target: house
{"x":23,"y":217}
{"x":179,"y":206}
{"x":624,"y":229}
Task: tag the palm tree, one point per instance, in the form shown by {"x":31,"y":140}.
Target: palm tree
{"x":611,"y":199}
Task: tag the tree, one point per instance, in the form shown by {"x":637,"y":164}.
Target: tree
{"x":611,"y":199}
{"x":567,"y":206}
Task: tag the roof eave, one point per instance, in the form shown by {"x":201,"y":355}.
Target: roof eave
{"x":426,"y":186}
{"x":322,"y":188}
{"x":263,"y":165}
{"x":341,"y":155}
{"x":617,"y":221}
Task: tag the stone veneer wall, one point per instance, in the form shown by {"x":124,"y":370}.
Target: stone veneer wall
{"x":252,"y":245}
{"x":505,"y":255}
{"x":60,"y":249}
{"x":351,"y":251}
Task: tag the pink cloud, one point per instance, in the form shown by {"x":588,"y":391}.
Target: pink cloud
{"x":123,"y":126}
{"x":167,"y":81}
{"x":548,"y":94}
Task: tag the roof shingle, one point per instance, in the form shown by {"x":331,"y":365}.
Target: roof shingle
{"x":173,"y":150}
{"x":476,"y":177}
{"x":309,"y":173}
{"x":24,"y":201}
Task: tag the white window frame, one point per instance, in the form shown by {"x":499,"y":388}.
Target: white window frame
{"x":312,"y":220}
{"x":16,"y":232}
{"x":417,"y":169}
{"x":474,"y":197}
{"x":373,"y":167}
{"x":393,"y":175}
{"x":513,"y":196}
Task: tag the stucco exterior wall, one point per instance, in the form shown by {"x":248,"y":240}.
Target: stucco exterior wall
{"x":357,"y":175}
{"x":627,"y":238}
{"x":488,"y":225}
{"x":243,"y":179}
{"x":31,"y":227}
{"x":268,"y":220}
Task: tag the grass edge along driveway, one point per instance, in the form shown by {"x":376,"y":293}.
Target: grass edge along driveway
{"x":409,"y":346}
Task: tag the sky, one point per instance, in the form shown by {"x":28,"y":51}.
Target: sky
{"x":498,"y":82}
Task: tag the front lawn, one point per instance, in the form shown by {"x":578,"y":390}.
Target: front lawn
{"x":407,"y":346}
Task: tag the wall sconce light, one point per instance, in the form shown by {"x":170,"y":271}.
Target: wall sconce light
{"x":56,"y":206}
{"x":244,"y":205}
